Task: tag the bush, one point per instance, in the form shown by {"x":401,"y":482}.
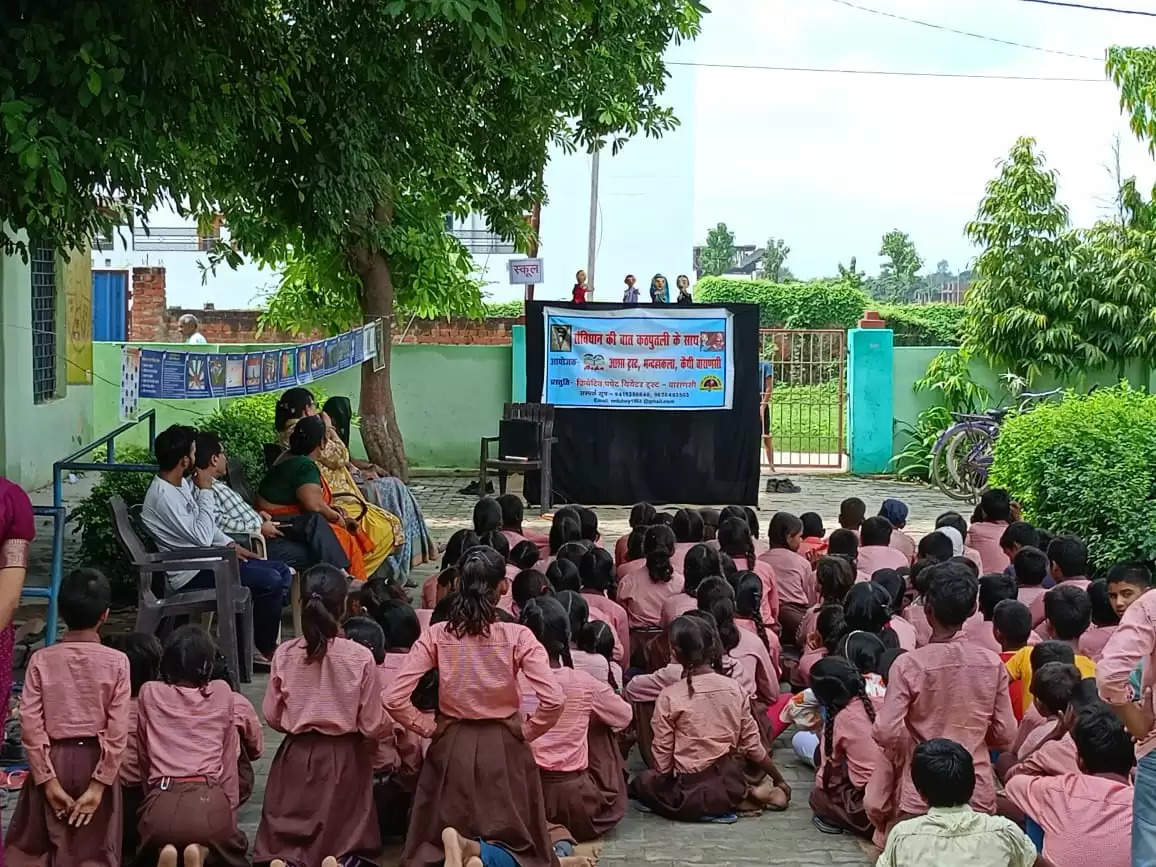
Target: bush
{"x":925,"y":324}
{"x":817,"y":304}
{"x":913,"y":461}
{"x":245,"y":425}
{"x":1087,"y":466}
{"x":98,"y":545}
{"x":504,"y":309}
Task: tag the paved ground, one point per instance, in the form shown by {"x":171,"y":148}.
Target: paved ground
{"x":782,"y":838}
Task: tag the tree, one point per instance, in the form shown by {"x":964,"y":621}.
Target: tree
{"x":718,"y":255}
{"x":774,"y":259}
{"x":897,"y":276}
{"x":851,"y":274}
{"x":942,"y":268}
{"x":108,"y":109}
{"x":407,"y":110}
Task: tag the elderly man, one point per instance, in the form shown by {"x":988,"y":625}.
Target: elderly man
{"x":190,"y":329}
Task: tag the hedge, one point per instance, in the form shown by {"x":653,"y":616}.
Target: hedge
{"x":504,"y":309}
{"x":1087,"y":466}
{"x":925,"y":324}
{"x":815,"y":304}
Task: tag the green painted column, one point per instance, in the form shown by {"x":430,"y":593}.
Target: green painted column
{"x":518,"y":368}
{"x":870,"y":398}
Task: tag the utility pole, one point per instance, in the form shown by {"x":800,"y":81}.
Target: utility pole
{"x":592,"y":244}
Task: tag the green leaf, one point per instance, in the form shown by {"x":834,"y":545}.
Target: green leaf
{"x":94,"y":82}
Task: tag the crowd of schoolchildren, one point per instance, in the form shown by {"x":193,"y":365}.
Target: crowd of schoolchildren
{"x":944,"y":689}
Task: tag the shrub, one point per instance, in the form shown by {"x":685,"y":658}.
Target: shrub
{"x":98,"y":545}
{"x":245,"y":425}
{"x":503,"y":309}
{"x":925,"y":324}
{"x":1087,"y":466}
{"x":913,"y":461}
{"x":817,"y":304}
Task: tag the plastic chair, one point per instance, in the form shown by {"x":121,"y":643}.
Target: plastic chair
{"x":229,"y":599}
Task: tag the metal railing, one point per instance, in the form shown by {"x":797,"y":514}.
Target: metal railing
{"x":52,"y":591}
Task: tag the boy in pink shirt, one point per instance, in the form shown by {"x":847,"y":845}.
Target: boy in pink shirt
{"x":74,"y":714}
{"x":1086,"y":817}
{"x":948,"y":689}
{"x":984,"y":535}
{"x":895,"y":513}
{"x":1127,"y":582}
{"x":852,"y":511}
{"x":1017,"y":536}
{"x":1030,"y":568}
{"x":875,"y":551}
{"x":994,"y":588}
{"x":1104,"y":622}
{"x":1067,"y":565}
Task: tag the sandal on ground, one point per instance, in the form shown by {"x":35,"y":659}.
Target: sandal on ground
{"x":825,"y":826}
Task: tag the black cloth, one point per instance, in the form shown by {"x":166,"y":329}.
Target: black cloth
{"x":619,"y":457}
{"x":306,"y":541}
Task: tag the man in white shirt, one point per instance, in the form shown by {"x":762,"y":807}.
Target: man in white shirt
{"x":190,"y":329}
{"x":180,"y":513}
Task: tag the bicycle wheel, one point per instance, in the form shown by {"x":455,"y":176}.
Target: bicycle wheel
{"x":941,"y":474}
{"x":969,"y":457}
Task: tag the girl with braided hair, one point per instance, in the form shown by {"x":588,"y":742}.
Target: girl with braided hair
{"x":644,"y":590}
{"x":734,"y":538}
{"x":575,"y":796}
{"x":848,"y":755}
{"x":794,"y":577}
{"x":703,"y":732}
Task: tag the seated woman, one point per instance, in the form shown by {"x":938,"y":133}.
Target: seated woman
{"x":386,"y":491}
{"x":332,"y":459}
{"x":295,"y":486}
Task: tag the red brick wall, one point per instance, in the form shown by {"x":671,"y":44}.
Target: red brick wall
{"x":151,"y":321}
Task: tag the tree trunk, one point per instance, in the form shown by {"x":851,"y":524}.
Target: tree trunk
{"x":379,"y":430}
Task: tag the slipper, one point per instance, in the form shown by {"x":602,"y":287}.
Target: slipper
{"x":825,"y":826}
{"x":641,"y":807}
{"x":724,"y":819}
{"x":13,"y":781}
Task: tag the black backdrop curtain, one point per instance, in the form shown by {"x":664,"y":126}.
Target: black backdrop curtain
{"x":619,"y":457}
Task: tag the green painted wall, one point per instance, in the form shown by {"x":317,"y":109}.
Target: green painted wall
{"x":33,"y":436}
{"x":447,"y":397}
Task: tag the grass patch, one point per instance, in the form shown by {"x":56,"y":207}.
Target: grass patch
{"x":805,"y":418}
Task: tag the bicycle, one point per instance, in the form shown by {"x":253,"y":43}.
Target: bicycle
{"x":962,"y":456}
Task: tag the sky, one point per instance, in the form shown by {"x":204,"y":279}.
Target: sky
{"x":830,"y":162}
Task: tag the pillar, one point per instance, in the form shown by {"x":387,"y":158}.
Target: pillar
{"x":870,"y":400}
{"x":518,"y":367}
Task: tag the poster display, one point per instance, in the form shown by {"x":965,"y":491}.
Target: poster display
{"x":182,"y":375}
{"x":667,"y":359}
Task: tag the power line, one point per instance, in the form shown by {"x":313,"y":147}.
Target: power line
{"x":1093,"y":8}
{"x":947,"y":29}
{"x":892,"y":72}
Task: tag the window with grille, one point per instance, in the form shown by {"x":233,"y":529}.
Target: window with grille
{"x":42,"y":260}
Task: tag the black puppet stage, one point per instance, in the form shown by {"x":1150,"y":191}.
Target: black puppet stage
{"x":625,"y":456}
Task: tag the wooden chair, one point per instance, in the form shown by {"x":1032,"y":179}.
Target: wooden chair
{"x":229,"y":599}
{"x":525,"y":441}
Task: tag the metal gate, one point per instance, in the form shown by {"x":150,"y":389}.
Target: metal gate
{"x":807,"y":402}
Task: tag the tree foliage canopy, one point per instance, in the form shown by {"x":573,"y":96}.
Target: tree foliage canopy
{"x":719,"y":253}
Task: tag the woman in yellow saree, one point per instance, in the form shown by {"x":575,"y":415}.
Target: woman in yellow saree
{"x":382,"y":528}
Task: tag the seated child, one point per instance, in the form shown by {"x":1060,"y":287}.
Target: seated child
{"x":875,"y":551}
{"x":834,"y":576}
{"x":994,"y":588}
{"x":956,"y":521}
{"x":1086,"y":817}
{"x":74,"y":715}
{"x":985,"y":534}
{"x":634,"y":551}
{"x":938,"y":546}
{"x":793,"y":576}
{"x":641,"y":515}
{"x":945,"y":777}
{"x":703,"y":729}
{"x":597,"y":640}
{"x":1017,"y":536}
{"x":1104,"y":622}
{"x":1011,"y":625}
{"x":459,"y":542}
{"x":848,"y":755}
{"x":710,"y":521}
{"x":687,"y":527}
{"x":188,"y":807}
{"x":867,"y":607}
{"x":1053,"y":685}
{"x":599,"y":585}
{"x":526,"y":586}
{"x":563,"y":572}
{"x":1056,"y":755}
{"x":892,"y":582}
{"x":748,"y":617}
{"x":588,"y":524}
{"x":735,"y":539}
{"x":1030,"y":566}
{"x":895,"y":512}
{"x":845,"y":544}
{"x":601,"y":668}
{"x":1024,"y":662}
{"x":1127,"y":582}
{"x":643,"y":590}
{"x":1067,"y":564}
{"x":852,"y":511}
{"x":813,"y":544}
{"x":525,"y":555}
{"x":513,"y":515}
{"x":830,"y":627}
{"x":701,"y":562}
{"x":144,"y":661}
{"x":979,"y":715}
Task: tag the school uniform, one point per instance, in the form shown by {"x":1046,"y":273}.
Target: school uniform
{"x":613,"y":615}
{"x":700,"y":741}
{"x":1019,"y":667}
{"x":74,"y":713}
{"x":1039,"y":617}
{"x":620,"y":549}
{"x":674,"y":607}
{"x":973,"y":555}
{"x":795,"y":583}
{"x":1093,"y":642}
{"x":643,"y":598}
{"x":812,"y":545}
{"x":916,"y":615}
{"x":186,"y":769}
{"x":479,"y":737}
{"x":397,"y":761}
{"x":984,"y":537}
{"x":1028,"y":593}
{"x":773,"y":647}
{"x":807,"y":662}
{"x":597,"y":666}
{"x":841,"y":778}
{"x":429,"y":591}
{"x":809,"y":624}
{"x":319,"y":795}
{"x":1086,"y":818}
{"x":1051,"y":759}
{"x":905,"y":545}
{"x":950,"y":689}
{"x":678,"y":560}
{"x":575,"y":796}
{"x":760,"y":680}
{"x":769,"y":609}
{"x":904,"y":631}
{"x":872,"y":558}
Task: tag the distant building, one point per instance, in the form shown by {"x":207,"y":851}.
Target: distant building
{"x":745,"y":266}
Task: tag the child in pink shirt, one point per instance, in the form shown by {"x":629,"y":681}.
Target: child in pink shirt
{"x":458,"y":542}
{"x":641,"y":515}
{"x":948,"y":689}
{"x":984,"y":535}
{"x":190,"y":769}
{"x":479,"y":733}
{"x":748,"y":617}
{"x":596,"y":572}
{"x":875,"y":551}
{"x":848,"y":755}
{"x":1068,"y":566}
{"x":830,"y":627}
{"x":323,"y":693}
{"x":1086,"y":817}
{"x":895,"y":513}
{"x":794,"y":576}
{"x":74,"y":715}
{"x":1104,"y":622}
{"x":1017,"y":536}
{"x":852,"y":511}
{"x":994,"y":588}
{"x":701,"y":562}
{"x":644,"y":589}
{"x":813,"y":545}
{"x":688,"y":529}
{"x":513,"y":516}
{"x":703,"y":729}
{"x":834,"y":577}
{"x":892,"y":582}
{"x":594,"y":654}
{"x":573,"y":766}
{"x":1030,"y":567}
{"x":734,"y":538}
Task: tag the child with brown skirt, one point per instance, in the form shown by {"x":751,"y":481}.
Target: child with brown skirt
{"x":479,"y":775}
{"x":703,"y":730}
{"x":574,"y":797}
{"x":188,"y":750}
{"x":74,"y":714}
{"x":323,"y":695}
